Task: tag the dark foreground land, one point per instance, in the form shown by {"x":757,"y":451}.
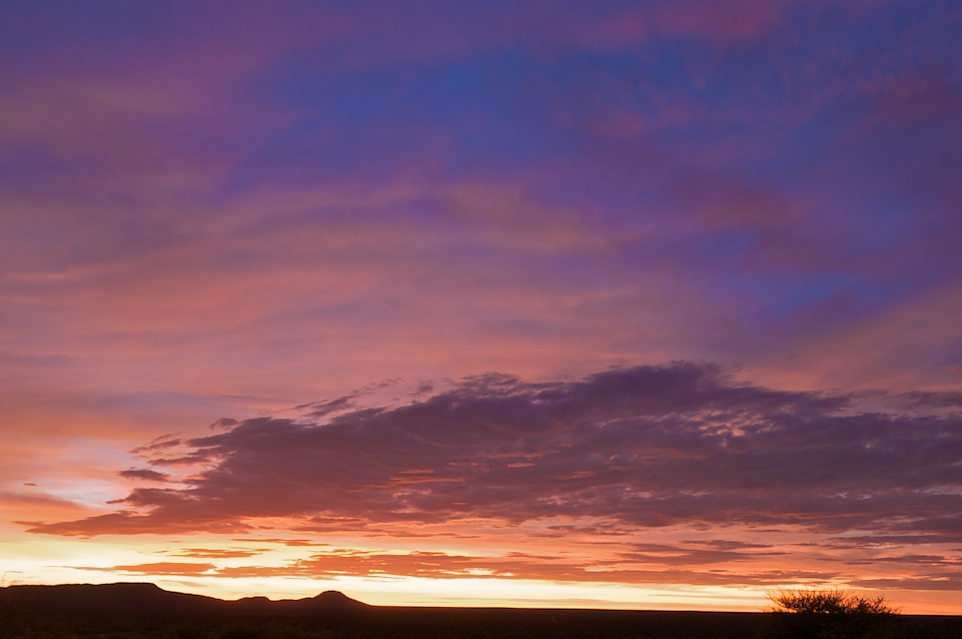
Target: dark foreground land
{"x":140,"y":611}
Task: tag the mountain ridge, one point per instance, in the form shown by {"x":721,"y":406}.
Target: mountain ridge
{"x":147,"y":597}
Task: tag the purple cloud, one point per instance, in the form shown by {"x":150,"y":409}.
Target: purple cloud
{"x":650,"y":446}
{"x":144,"y":473}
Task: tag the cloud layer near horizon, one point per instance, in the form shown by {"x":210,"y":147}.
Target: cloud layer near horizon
{"x":643,"y":447}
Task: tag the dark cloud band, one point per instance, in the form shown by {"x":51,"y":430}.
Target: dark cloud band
{"x":649,"y":446}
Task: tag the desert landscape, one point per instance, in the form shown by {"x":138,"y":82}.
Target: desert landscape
{"x":143,"y":610}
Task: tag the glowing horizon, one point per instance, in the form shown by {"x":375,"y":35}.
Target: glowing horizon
{"x":537,"y":304}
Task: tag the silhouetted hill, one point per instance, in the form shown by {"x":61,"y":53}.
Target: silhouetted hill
{"x":151,"y":599}
{"x":144,"y":611}
{"x":334,"y":600}
{"x":107,"y":598}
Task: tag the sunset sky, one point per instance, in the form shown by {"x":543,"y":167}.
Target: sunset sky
{"x":622,"y":304}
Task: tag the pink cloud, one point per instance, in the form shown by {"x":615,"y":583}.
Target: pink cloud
{"x":169,"y":568}
{"x":904,"y":348}
{"x":728,"y":23}
{"x":216,"y":553}
{"x":439,"y":565}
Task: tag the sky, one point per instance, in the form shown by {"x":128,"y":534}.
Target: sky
{"x":598,"y":304}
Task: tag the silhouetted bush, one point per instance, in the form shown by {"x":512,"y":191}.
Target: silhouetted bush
{"x":832,"y":614}
{"x":829,"y":602}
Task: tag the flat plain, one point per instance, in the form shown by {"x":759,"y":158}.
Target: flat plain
{"x":144,"y":611}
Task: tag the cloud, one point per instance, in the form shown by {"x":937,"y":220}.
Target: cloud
{"x":33,"y":499}
{"x":704,"y":552}
{"x":290,"y":543}
{"x":220,"y":553}
{"x":144,"y":473}
{"x":440,"y":565}
{"x":952,"y":582}
{"x":643,"y":447}
{"x":158,"y":443}
{"x":169,"y":568}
